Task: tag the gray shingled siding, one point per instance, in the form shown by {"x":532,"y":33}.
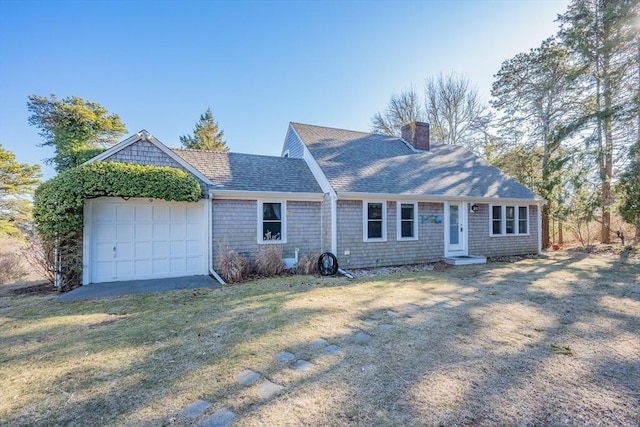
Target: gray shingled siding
{"x":294,"y":145}
{"x":429,"y":247}
{"x":235,"y":226}
{"x":326,"y":224}
{"x":145,"y":153}
{"x":480,"y":243}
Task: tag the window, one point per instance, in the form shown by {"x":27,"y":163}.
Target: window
{"x":496,"y":220}
{"x":407,"y":224}
{"x":523,"y":220}
{"x":375,"y":221}
{"x":272,"y":222}
{"x":509,"y":220}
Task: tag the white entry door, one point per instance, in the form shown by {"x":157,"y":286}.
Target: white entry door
{"x":455,"y":234}
{"x":143,"y":239}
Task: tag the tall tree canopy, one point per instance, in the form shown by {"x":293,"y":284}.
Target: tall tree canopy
{"x":17,"y":182}
{"x":206,"y":135}
{"x":77,"y":129}
{"x":451,"y":106}
{"x":603,"y":37}
{"x":535,"y":92}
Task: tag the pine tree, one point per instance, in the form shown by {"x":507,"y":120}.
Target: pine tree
{"x":206,"y":135}
{"x":77,"y":129}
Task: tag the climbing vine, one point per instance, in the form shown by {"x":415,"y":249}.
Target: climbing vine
{"x":58,"y":203}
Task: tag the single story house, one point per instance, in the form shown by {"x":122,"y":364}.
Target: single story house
{"x":372,"y":200}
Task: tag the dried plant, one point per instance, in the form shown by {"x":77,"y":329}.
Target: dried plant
{"x":269,"y":260}
{"x":232,"y":266}
{"x":307,"y":264}
{"x":10,"y":268}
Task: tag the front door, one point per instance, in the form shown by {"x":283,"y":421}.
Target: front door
{"x":455,"y":229}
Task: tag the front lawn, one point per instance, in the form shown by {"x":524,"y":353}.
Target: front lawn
{"x":545,"y":341}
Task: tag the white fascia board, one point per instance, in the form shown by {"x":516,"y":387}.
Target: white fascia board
{"x":258,"y":195}
{"x":143,"y":135}
{"x":439,"y":199}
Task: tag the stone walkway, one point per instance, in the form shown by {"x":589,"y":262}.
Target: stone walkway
{"x":200,"y":412}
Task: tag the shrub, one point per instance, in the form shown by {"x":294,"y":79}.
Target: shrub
{"x":269,"y":260}
{"x":233,"y":267}
{"x":40,"y":256}
{"x":307,"y":264}
{"x":10,"y":268}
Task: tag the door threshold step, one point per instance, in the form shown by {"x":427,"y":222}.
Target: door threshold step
{"x":465,"y":260}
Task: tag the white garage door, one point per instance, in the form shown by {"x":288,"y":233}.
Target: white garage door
{"x":142,"y":239}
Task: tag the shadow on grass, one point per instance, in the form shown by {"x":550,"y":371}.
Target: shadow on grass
{"x":472,"y":346}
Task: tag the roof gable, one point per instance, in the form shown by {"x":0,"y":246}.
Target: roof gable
{"x":144,"y":137}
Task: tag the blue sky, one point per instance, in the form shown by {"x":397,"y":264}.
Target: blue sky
{"x":257,"y":64}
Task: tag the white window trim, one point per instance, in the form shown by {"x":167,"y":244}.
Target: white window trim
{"x":283,"y":238}
{"x":503,"y":220}
{"x":399,"y":204}
{"x":365,"y":221}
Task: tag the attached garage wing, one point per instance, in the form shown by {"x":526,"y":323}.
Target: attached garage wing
{"x":143,"y":239}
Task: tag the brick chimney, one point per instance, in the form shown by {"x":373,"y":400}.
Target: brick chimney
{"x":417,"y":134}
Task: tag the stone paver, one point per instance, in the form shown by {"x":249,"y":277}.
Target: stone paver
{"x":285,"y":356}
{"x":385,"y":326}
{"x":302,"y":365}
{"x":247,"y":377}
{"x":319,"y":342}
{"x":221,"y":418}
{"x":361,"y":337}
{"x":412,"y":307}
{"x":392,"y":313}
{"x":266,"y":389}
{"x":195,"y":409}
{"x":346,"y":331}
{"x":331,"y":350}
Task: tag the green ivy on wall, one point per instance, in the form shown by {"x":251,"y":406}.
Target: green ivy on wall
{"x":58,"y":203}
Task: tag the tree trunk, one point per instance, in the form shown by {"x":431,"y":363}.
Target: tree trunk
{"x":607,"y":173}
{"x":545,"y":226}
{"x":560,"y":236}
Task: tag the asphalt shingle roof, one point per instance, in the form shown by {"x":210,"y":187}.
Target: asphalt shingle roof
{"x":250,"y":172}
{"x":358,"y":162}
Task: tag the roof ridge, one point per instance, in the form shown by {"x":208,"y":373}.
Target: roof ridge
{"x":342,"y":129}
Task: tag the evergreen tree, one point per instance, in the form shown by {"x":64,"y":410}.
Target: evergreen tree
{"x":602,"y":35}
{"x":629,"y":190}
{"x":77,"y":129}
{"x":17,"y":182}
{"x":206,"y":135}
{"x":535,"y":91}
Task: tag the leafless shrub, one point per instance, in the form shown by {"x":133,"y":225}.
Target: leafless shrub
{"x":269,"y":260}
{"x":307,"y":264}
{"x":40,"y":256}
{"x":10,"y":268}
{"x":233,"y":267}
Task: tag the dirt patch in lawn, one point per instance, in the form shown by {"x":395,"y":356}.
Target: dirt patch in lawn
{"x":547,"y":341}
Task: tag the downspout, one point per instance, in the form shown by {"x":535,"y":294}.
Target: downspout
{"x":210,"y":240}
{"x":334,"y":223}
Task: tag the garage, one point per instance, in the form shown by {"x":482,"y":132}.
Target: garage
{"x":143,"y":239}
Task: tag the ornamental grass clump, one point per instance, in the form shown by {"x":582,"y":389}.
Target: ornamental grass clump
{"x":232,"y":266}
{"x":307,"y":264}
{"x":269,"y":261}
